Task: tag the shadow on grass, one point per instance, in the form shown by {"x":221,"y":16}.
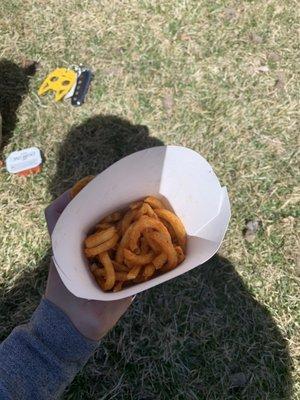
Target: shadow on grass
{"x":199,"y":336}
{"x":96,"y":144}
{"x":88,"y":149}
{"x":19,"y":299}
{"x":14,"y":85}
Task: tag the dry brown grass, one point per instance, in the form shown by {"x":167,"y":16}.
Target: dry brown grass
{"x":194,"y":73}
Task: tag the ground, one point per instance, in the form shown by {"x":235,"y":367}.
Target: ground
{"x":219,"y":77}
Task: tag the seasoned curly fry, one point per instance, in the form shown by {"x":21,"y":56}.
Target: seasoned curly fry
{"x":133,"y":273}
{"x":103,"y":225}
{"x":114,"y":217}
{"x":99,"y":237}
{"x":140,"y":278}
{"x":80,"y":185}
{"x":124,"y":243}
{"x":154,"y":202}
{"x":135,"y":205}
{"x":101,"y":282}
{"x":154,"y":246}
{"x":141,"y":225}
{"x":160,"y":260}
{"x":120,"y":267}
{"x":127,"y":220}
{"x":166,"y":246}
{"x":109,"y":244}
{"x":110,"y":275}
{"x":99,"y":273}
{"x":118,"y":286}
{"x":135,"y":245}
{"x":144,"y":246}
{"x":145,"y":209}
{"x":93,"y":267}
{"x":141,"y":259}
{"x":149,"y":271}
{"x":170,"y":229}
{"x":121,"y":276}
{"x":180,"y":254}
{"x":176,"y":224}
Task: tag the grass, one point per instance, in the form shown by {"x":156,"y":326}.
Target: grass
{"x":219,"y":77}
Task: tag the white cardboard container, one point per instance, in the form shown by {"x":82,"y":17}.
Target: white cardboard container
{"x":176,"y":174}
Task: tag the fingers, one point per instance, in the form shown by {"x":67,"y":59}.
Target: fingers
{"x":54,"y":210}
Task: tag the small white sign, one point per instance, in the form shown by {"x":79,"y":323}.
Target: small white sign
{"x":23,"y":159}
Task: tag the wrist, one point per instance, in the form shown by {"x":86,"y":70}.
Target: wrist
{"x":74,"y":307}
{"x":93,"y":319}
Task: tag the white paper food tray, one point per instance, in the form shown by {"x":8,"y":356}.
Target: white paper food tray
{"x":176,"y":174}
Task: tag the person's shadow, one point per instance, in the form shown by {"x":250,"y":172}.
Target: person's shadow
{"x":200,"y":336}
{"x":14,"y":85}
{"x":96,"y":144}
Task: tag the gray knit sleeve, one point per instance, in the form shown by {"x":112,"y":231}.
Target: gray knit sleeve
{"x":38,"y":360}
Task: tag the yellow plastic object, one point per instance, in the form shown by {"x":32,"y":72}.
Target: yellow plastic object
{"x":61,"y":81}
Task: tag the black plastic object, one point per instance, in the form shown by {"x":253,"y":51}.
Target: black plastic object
{"x":82,"y":87}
